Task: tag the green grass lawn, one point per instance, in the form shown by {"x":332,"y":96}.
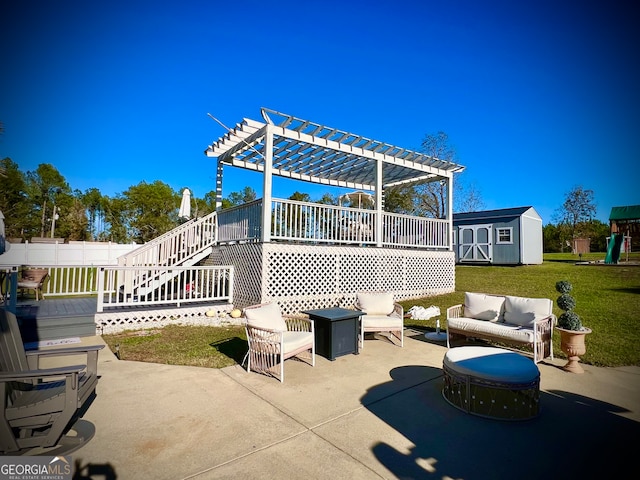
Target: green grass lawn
{"x":199,"y":346}
{"x":607,"y":296}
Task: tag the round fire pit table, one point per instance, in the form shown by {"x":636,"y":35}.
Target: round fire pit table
{"x":491,"y":382}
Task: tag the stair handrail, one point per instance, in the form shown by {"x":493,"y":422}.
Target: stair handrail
{"x":176,"y":246}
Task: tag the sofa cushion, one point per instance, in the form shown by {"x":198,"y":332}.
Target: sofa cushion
{"x":484,"y":307}
{"x":507,"y":331}
{"x":266,"y":316}
{"x":525,"y":311}
{"x":375,"y":303}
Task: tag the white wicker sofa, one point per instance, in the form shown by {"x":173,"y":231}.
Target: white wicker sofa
{"x":507,"y":319}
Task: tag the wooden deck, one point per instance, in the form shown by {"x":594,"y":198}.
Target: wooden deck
{"x":56,"y":318}
{"x":59,"y":318}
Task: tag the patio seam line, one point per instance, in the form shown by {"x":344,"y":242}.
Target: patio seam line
{"x":306,"y":429}
{"x":373,"y":402}
{"x":244,"y":455}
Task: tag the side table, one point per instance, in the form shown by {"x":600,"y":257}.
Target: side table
{"x":336,"y":331}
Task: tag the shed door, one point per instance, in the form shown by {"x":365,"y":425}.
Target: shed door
{"x":474,"y":243}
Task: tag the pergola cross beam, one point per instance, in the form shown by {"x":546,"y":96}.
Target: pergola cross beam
{"x":312,"y":152}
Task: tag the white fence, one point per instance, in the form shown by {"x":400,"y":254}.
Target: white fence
{"x":72,"y":253}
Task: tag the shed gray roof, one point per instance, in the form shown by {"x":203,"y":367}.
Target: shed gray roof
{"x":311,"y":152}
{"x":486,"y":214}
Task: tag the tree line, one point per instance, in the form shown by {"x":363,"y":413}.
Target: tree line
{"x":41,"y":203}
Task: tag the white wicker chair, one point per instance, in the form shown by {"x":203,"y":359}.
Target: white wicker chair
{"x":273,"y":338}
{"x":382,"y":315}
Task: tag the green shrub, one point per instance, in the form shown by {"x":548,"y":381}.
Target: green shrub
{"x":566,"y":302}
{"x":563,"y":286}
{"x":570,"y":321}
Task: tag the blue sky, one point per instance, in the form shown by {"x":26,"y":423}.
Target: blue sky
{"x":536,"y":96}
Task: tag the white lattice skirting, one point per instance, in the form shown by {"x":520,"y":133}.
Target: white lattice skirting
{"x":302,"y":277}
{"x":121,"y":320}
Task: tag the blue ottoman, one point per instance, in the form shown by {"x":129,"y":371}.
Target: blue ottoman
{"x":491,"y":382}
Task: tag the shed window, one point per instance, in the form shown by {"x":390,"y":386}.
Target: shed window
{"x":504,"y":235}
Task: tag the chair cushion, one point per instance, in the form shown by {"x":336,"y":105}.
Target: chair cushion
{"x":296,"y":340}
{"x":484,"y":307}
{"x":382,"y":321}
{"x":375,"y":303}
{"x":525,"y":311}
{"x":266,"y":316}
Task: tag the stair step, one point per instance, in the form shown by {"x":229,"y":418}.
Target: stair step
{"x":36,"y":329}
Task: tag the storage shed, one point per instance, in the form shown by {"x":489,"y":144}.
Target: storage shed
{"x":510,"y":236}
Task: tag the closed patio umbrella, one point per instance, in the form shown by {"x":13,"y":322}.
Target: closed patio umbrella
{"x":185,"y":205}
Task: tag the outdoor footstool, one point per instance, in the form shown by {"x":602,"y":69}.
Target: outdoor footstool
{"x":491,"y":382}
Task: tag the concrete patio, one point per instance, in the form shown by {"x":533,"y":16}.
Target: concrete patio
{"x":379,"y":414}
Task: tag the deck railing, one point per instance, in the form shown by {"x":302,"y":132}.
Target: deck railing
{"x":241,"y":223}
{"x":408,"y":231}
{"x":143,"y":286}
{"x":312,"y":222}
{"x":66,"y":280}
{"x":71,"y":280}
{"x":296,"y":221}
{"x":117,"y":286}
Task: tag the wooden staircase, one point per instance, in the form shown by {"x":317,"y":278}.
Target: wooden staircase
{"x":183,"y":246}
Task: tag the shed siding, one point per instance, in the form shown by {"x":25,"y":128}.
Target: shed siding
{"x":507,"y":253}
{"x":532,"y":238}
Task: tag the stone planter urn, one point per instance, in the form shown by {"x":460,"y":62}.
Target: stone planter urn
{"x":572,"y":333}
{"x":573,"y":345}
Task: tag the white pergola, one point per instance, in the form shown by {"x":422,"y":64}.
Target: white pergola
{"x":290,"y":147}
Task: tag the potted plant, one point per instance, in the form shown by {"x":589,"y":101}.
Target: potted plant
{"x":572,"y":332}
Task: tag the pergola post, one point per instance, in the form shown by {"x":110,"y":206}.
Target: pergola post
{"x":219,"y":173}
{"x":378,"y":230}
{"x":267,"y":183}
{"x":450,"y":209}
